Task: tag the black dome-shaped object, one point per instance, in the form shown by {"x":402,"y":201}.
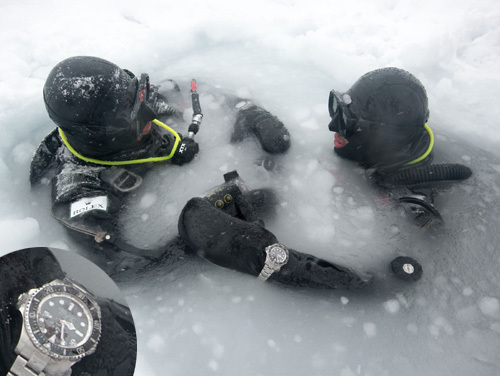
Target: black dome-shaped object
{"x":390,"y":96}
{"x":91,"y":100}
{"x":406,"y":268}
{"x":389,"y":107}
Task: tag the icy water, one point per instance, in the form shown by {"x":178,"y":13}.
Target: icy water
{"x":194,"y":318}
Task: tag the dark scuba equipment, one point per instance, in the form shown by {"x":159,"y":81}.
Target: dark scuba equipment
{"x":91,"y":100}
{"x":406,"y":268}
{"x":425,"y":174}
{"x":390,"y":96}
{"x":270,"y":132}
{"x":121,"y":179}
{"x":45,"y":158}
{"x":223,"y":197}
{"x":228,"y":197}
{"x":112,"y":120}
{"x":342,"y":121}
{"x":382,"y":117}
{"x":103,"y":112}
{"x":239,"y":243}
{"x":234,"y":197}
{"x":197,"y":114}
{"x":126,"y":162}
{"x":142,"y":114}
{"x":423,"y":212}
{"x":188,"y":148}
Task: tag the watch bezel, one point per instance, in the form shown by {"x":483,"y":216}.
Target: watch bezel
{"x":283,"y":249}
{"x":41,"y":342}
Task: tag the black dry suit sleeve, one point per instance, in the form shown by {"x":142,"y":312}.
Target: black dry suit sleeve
{"x":271,"y":133}
{"x":88,"y":199}
{"x":307,"y":270}
{"x":240,"y":245}
{"x":46,"y":157}
{"x":82,"y":201}
{"x":20,"y":271}
{"x":222,"y":239}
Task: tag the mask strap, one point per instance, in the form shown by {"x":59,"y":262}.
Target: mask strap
{"x":429,"y":149}
{"x":129,"y":162}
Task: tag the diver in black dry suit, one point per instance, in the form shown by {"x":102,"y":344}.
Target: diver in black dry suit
{"x":381,"y":123}
{"x":108,"y":137}
{"x":23,"y":270}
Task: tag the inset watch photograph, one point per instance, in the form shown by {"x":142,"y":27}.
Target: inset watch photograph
{"x":61,"y":315}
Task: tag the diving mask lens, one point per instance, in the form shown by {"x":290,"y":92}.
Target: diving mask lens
{"x":142,"y":114}
{"x":338,"y":110}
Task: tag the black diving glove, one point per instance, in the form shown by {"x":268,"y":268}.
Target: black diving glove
{"x":306,"y":270}
{"x":240,"y":245}
{"x":271,"y":133}
{"x":186,"y":151}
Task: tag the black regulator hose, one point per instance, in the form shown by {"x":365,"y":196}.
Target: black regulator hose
{"x":429,"y":173}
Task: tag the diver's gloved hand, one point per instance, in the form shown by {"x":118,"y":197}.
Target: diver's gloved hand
{"x":186,"y":151}
{"x":271,"y":133}
{"x":240,"y":245}
{"x":306,"y":270}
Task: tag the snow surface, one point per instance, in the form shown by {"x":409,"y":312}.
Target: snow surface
{"x":194,"y":318}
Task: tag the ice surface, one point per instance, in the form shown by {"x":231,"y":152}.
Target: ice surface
{"x":194,"y":318}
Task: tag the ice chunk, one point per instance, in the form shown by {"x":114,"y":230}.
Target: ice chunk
{"x":197,"y":328}
{"x":15,"y":233}
{"x":148,"y":200}
{"x":22,"y":153}
{"x":271,"y":343}
{"x":156,"y":343}
{"x":467,"y":291}
{"x":412,"y":328}
{"x":392,"y":306}
{"x":489,"y":306}
{"x":213,"y":365}
{"x":370,"y":329}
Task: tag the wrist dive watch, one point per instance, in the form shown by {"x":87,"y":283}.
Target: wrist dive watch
{"x":61,"y":325}
{"x":276,"y":257}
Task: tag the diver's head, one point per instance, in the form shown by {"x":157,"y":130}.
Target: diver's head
{"x":100,"y":107}
{"x":380,"y":120}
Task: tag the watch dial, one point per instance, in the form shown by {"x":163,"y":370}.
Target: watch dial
{"x":64,"y":320}
{"x":277,"y":254}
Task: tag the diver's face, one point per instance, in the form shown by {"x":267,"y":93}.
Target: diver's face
{"x":342,"y":120}
{"x":138,"y":113}
{"x":147,"y":128}
{"x":339,"y":141}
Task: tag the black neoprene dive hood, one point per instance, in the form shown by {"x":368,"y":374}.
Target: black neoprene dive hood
{"x":91,"y":100}
{"x":387,"y":110}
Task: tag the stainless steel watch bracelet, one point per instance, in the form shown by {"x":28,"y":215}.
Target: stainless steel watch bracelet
{"x":266,"y":272}
{"x":29,"y":362}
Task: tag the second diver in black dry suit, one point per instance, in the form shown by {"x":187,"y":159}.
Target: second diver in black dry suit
{"x":381,"y":123}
